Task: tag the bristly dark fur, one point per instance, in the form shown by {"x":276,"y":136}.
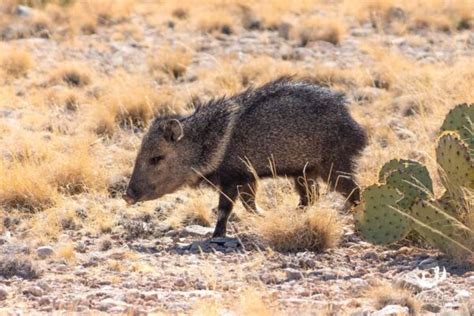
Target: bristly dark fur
{"x":304,"y":129}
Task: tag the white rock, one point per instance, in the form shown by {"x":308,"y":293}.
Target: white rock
{"x":392,"y":310}
{"x":197,"y":230}
{"x":44,"y":251}
{"x":23,"y":10}
{"x":462,"y":295}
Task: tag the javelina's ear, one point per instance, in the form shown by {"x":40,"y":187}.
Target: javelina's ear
{"x":172,"y":130}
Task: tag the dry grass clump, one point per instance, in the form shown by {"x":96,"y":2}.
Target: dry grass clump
{"x":21,"y":267}
{"x":74,"y":75}
{"x":36,"y":169}
{"x":251,"y":301}
{"x":285,"y":228}
{"x":15,"y":62}
{"x":131,"y":101}
{"x":337,"y":78}
{"x":386,"y":294}
{"x":77,"y":171}
{"x":67,"y":252}
{"x":295,"y":230}
{"x":66,"y":98}
{"x":432,"y":22}
{"x":436,"y":15}
{"x":262,"y":69}
{"x":319,"y":29}
{"x":105,"y":12}
{"x":171,"y":61}
{"x":197,"y":212}
{"x":180,"y":13}
{"x":216,"y":20}
{"x":25,"y":186}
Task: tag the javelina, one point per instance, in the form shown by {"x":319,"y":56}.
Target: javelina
{"x":305,"y":130}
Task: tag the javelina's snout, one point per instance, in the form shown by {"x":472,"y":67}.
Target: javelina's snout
{"x":130,"y":196}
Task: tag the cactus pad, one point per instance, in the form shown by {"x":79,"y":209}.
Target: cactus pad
{"x":394,"y":165}
{"x":434,"y":223}
{"x":461,"y":120}
{"x":453,"y":157}
{"x":376,"y":218}
{"x":409,"y":177}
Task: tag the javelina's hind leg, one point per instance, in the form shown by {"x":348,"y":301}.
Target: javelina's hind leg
{"x":226,"y":203}
{"x":308,"y":188}
{"x":247,"y":194}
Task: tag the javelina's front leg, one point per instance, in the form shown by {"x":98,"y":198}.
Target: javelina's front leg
{"x":226,"y":203}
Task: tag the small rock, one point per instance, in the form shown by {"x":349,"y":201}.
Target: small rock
{"x":34,"y":290}
{"x":80,"y":247}
{"x":391,"y":310}
{"x":293,"y":274}
{"x":44,"y":301}
{"x":284,"y":30}
{"x":44,"y":285}
{"x":44,"y":251}
{"x":3,"y":292}
{"x":197,"y":230}
{"x":370,"y":255}
{"x":471,"y":279}
{"x":180,"y":282}
{"x":23,"y":10}
{"x":111,"y":305}
{"x":105,"y":244}
{"x":462,"y":295}
{"x":430,"y":307}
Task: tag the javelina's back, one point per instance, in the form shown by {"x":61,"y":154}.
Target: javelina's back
{"x":296,"y":124}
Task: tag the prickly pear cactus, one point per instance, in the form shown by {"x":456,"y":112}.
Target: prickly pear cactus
{"x":376,"y":218}
{"x":457,"y":166}
{"x":410,"y":177}
{"x":433,"y":222}
{"x":393,"y":165}
{"x":461,"y":120}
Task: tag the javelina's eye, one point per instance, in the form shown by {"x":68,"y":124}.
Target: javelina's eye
{"x":155,"y":160}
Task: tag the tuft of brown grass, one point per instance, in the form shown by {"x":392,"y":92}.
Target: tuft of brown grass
{"x":74,"y":75}
{"x":250,"y":301}
{"x":386,"y":294}
{"x":261,"y":69}
{"x":25,"y":186}
{"x":197,"y":212}
{"x":296,"y":230}
{"x":131,"y":101}
{"x":289,"y":229}
{"x":216,"y":21}
{"x":319,"y":29}
{"x":15,"y":62}
{"x":104,"y":12}
{"x":180,"y":13}
{"x":171,"y":61}
{"x":67,"y":252}
{"x":76,"y":171}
